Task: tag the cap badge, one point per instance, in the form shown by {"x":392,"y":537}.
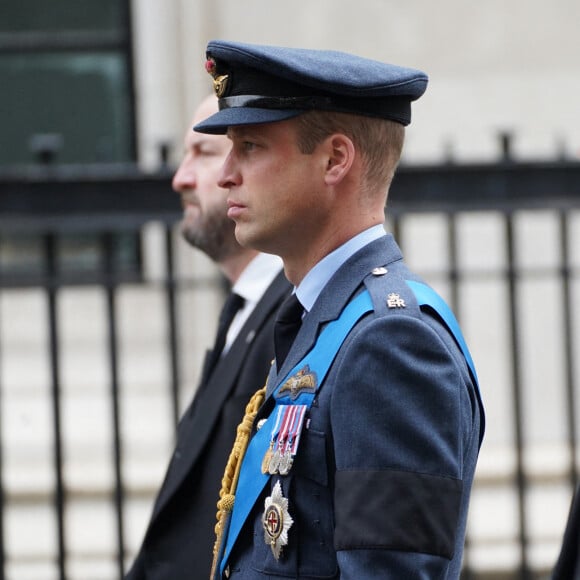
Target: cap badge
{"x":276,"y":521}
{"x":220,"y":82}
{"x":303,"y":380}
{"x":395,"y":301}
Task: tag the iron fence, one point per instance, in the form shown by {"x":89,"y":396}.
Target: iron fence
{"x":106,"y":202}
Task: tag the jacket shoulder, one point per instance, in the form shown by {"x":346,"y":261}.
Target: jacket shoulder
{"x":390,"y":292}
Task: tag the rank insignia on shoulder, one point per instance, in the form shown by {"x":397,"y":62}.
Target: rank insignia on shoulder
{"x":303,"y":381}
{"x":276,"y":520}
{"x":395,"y":301}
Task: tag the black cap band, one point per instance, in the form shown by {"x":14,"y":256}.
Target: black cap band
{"x":394,"y":108}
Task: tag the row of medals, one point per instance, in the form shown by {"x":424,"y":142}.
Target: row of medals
{"x":277,"y":462}
{"x":291,"y":418}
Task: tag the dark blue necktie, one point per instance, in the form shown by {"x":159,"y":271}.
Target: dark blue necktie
{"x":286,"y":328}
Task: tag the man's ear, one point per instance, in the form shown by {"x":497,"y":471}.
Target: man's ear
{"x":341,"y":154}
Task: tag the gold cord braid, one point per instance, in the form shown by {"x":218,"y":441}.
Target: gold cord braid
{"x":225,"y":503}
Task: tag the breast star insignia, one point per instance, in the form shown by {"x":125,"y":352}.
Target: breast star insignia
{"x":276,"y":521}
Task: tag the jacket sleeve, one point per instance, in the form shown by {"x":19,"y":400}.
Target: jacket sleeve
{"x":405,"y":438}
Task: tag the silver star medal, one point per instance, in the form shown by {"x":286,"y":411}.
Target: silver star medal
{"x":276,"y":521}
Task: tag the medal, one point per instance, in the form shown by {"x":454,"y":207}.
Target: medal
{"x":284,"y":411}
{"x":267,"y":459}
{"x":285,"y":464}
{"x":276,"y":521}
{"x":274,"y":463}
{"x":270,"y":451}
{"x":285,"y":434}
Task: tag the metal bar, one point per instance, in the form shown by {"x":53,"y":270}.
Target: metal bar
{"x":97,"y":189}
{"x":127,"y":21}
{"x":2,"y":495}
{"x":118,"y":492}
{"x":63,"y":191}
{"x":50,"y":259}
{"x":520,"y":476}
{"x":455,"y":278}
{"x":170,"y":287}
{"x":568,"y":348}
{"x":487,"y":186}
{"x":62,"y":41}
{"x":454,"y":274}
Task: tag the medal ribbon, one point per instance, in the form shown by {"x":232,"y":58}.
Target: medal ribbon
{"x":296,"y":430}
{"x":286,"y":456}
{"x":275,"y":428}
{"x":284,"y":430}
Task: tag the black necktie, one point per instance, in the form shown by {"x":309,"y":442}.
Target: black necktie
{"x":286,"y":328}
{"x":230,"y":308}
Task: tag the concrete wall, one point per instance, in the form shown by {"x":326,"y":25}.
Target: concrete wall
{"x":493,"y":66}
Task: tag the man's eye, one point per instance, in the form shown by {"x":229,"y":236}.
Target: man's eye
{"x":203,"y":152}
{"x":249,"y":145}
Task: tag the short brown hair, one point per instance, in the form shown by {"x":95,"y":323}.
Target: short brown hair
{"x":379,"y":141}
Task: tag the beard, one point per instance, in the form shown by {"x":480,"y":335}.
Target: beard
{"x":212,"y":233}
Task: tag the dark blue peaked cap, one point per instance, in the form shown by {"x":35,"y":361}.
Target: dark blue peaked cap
{"x":263,"y":84}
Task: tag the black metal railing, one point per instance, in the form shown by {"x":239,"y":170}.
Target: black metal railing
{"x":49,"y":202}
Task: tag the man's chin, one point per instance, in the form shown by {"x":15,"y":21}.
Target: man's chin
{"x":247,"y":238}
{"x":190,"y":232}
{"x":191,"y":214}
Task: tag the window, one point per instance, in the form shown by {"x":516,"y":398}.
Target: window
{"x":65,"y":70}
{"x":66,"y":98}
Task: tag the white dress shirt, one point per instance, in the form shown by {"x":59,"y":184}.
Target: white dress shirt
{"x":251,"y":285}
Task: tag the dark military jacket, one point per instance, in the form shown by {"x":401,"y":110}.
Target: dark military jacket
{"x":380,"y":484}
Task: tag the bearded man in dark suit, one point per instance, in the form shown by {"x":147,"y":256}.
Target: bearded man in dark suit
{"x":179,"y":538}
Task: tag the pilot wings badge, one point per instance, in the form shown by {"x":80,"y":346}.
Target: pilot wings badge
{"x":304,"y":381}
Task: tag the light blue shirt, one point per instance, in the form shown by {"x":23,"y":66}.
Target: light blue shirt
{"x":313,"y":283}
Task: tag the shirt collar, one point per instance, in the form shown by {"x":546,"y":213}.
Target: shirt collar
{"x":257,"y":276}
{"x":313,"y":283}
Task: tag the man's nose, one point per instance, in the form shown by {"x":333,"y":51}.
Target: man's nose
{"x":228,"y":176}
{"x":184,"y":178}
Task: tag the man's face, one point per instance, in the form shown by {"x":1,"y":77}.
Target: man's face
{"x":275,"y":197}
{"x":205,"y":224}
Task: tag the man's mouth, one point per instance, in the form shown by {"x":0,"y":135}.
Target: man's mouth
{"x":235,"y":209}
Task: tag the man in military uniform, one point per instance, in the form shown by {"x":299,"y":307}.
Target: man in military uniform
{"x":361,"y":458}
